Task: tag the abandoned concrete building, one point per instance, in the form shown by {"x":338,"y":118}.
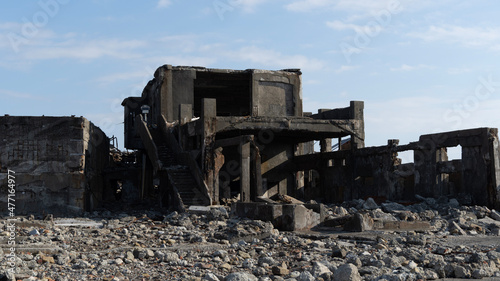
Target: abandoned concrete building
{"x":205,"y":136}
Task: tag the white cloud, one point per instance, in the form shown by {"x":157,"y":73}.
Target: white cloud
{"x":405,"y":67}
{"x":459,"y":70}
{"x":274,"y":59}
{"x":15,"y":94}
{"x":345,"y":68}
{"x":349,"y":5}
{"x":467,"y":36}
{"x":371,"y":29}
{"x":78,"y":49}
{"x":123,"y":76}
{"x":163,"y":4}
{"x":247,"y":5}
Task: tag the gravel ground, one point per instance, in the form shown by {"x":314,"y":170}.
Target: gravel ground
{"x":462,"y":242}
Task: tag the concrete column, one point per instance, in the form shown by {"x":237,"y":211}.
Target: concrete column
{"x":208,"y":119}
{"x":356,"y":112}
{"x":245,"y":191}
{"x":475,"y":174}
{"x":425,"y":167}
{"x":256,"y":179}
{"x":166,"y":93}
{"x":185,"y":113}
{"x":495,"y":169}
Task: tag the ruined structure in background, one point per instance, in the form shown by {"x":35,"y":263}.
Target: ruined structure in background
{"x":212,"y":136}
{"x":58,"y":164}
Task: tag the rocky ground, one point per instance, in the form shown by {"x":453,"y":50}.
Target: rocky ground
{"x":461,"y":242}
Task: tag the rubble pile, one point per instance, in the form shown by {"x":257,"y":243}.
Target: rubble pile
{"x":460,"y":242}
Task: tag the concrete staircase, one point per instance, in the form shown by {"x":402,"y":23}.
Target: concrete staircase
{"x":180,"y":176}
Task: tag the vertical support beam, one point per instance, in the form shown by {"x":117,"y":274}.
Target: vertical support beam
{"x":425,"y":158}
{"x":442,"y":180}
{"x":494,"y":186}
{"x":474,"y":174}
{"x":256,"y":180}
{"x":356,"y":112}
{"x":208,"y":119}
{"x":245,"y":171}
{"x":166,"y":93}
{"x":185,"y":115}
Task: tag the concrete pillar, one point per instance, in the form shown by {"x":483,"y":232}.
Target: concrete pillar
{"x":425,"y":158}
{"x":256,"y":177}
{"x":208,"y":119}
{"x":245,"y":191}
{"x":356,"y":112}
{"x":166,"y":93}
{"x":185,"y":113}
{"x":494,"y":147}
{"x":475,"y":174}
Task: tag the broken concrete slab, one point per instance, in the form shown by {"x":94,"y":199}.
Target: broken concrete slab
{"x":288,"y":217}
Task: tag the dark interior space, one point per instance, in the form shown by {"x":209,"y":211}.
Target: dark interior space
{"x":232,"y":91}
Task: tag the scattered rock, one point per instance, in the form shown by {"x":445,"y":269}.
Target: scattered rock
{"x":347,"y":272}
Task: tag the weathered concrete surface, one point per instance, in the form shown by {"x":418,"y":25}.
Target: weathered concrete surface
{"x":288,"y":217}
{"x":58,"y":163}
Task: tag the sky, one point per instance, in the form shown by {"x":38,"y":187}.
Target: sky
{"x":420,"y":66}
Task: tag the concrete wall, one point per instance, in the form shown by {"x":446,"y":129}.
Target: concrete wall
{"x":58,"y":163}
{"x":377,"y":171}
{"x":276,"y":93}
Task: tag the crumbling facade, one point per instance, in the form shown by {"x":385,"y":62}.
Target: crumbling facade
{"x":58,"y":164}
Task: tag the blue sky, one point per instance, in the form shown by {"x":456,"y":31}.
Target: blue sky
{"x":420,"y":66}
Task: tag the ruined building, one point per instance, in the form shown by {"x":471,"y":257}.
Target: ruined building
{"x":205,"y":136}
{"x":210,"y":134}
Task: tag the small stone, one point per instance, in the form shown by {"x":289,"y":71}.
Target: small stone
{"x":306,"y":276}
{"x":347,"y":272}
{"x":393,"y":207}
{"x":241,"y":276}
{"x":370,"y":204}
{"x":244,"y":255}
{"x":130,"y":255}
{"x":210,"y":277}
{"x":412,"y":265}
{"x":495,"y":215}
{"x":118,"y":261}
{"x":359,"y":222}
{"x":456,"y":229}
{"x":220,"y":253}
{"x":338,"y":252}
{"x":47,"y":259}
{"x":461,"y":272}
{"x":280,"y":270}
{"x":171,"y":257}
{"x":34,"y":232}
{"x":320,"y":269}
{"x":225,"y":266}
